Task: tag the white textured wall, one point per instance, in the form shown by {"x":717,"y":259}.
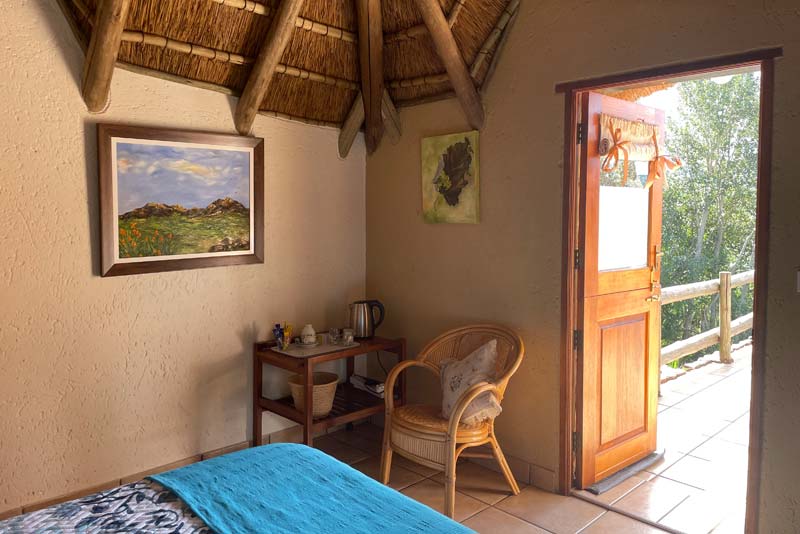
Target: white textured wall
{"x":101,"y":378}
{"x":508,"y":268}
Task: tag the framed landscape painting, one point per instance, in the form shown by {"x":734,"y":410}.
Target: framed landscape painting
{"x":172,"y":200}
{"x":450,"y":178}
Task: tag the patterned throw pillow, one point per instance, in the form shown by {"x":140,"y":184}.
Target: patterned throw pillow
{"x":460,"y":375}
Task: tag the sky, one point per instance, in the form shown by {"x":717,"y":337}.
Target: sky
{"x":189,"y":176}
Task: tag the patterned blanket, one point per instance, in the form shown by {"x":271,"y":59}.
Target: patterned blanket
{"x":142,"y":507}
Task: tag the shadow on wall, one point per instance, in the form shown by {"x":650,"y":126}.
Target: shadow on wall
{"x":64,"y":41}
{"x":214,"y":395}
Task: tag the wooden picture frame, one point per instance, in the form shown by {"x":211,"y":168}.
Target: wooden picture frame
{"x":145,"y":226}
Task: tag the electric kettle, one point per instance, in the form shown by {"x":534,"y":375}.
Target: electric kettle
{"x":362,"y":317}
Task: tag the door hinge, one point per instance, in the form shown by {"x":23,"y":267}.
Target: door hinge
{"x":577,"y":339}
{"x":580,"y":133}
{"x":577,"y":259}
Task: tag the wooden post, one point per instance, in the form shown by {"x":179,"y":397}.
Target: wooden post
{"x":101,"y":57}
{"x":370,"y":44}
{"x":451,"y":57}
{"x":725,"y":317}
{"x":280,"y":32}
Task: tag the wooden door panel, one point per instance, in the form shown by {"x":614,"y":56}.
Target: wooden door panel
{"x":623,"y":352}
{"x":619,"y":382}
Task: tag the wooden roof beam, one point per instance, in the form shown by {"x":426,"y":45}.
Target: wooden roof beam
{"x":419,"y":30}
{"x":98,"y":68}
{"x":370,"y":44}
{"x":355,"y":119}
{"x":278,"y":37}
{"x":448,"y":52}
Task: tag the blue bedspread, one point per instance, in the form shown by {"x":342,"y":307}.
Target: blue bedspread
{"x":288,"y":488}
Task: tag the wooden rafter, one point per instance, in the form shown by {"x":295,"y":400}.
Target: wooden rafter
{"x":351,"y":126}
{"x":370,"y":44}
{"x":300,"y":22}
{"x":492,"y":41}
{"x":102,"y":53}
{"x":414,"y":32}
{"x":448,"y":52}
{"x":391,"y":119}
{"x":280,"y":32}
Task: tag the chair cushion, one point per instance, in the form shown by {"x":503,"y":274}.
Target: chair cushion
{"x":460,"y":375}
{"x":425,"y":418}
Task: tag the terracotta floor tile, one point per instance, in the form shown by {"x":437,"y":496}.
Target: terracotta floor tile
{"x":494,"y":521}
{"x":613,"y":523}
{"x":412,"y":466}
{"x":654,"y":499}
{"x":399,"y":477}
{"x":341,"y":451}
{"x":431,"y":494}
{"x":620,"y":490}
{"x":556,"y":513}
{"x":479,"y":482}
{"x":358,"y":440}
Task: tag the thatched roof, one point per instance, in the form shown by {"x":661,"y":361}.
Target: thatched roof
{"x":213,"y":44}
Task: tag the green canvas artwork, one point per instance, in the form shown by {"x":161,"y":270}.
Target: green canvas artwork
{"x":450,"y":178}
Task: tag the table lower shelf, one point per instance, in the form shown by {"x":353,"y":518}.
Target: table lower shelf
{"x":349,"y":404}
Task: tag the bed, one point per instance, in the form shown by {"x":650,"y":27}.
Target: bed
{"x":275,"y":489}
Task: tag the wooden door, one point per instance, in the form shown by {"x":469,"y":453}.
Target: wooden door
{"x":619,"y":316}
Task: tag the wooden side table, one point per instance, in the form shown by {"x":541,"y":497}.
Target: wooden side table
{"x":350,"y":404}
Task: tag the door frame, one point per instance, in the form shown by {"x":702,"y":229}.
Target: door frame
{"x":763,"y":58}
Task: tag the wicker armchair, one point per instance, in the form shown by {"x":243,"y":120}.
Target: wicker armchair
{"x":419,"y":433}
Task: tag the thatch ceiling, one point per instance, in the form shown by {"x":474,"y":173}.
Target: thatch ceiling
{"x":213,"y":44}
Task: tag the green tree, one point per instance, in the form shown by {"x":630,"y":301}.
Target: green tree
{"x":710,"y":203}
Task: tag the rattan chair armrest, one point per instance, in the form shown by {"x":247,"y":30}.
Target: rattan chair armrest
{"x":463,"y":401}
{"x":395,"y":373}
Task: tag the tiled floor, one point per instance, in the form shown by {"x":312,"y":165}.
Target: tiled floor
{"x":703,"y":425}
{"x":699,"y":486}
{"x":483,"y":501}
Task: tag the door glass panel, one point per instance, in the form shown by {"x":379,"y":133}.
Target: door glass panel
{"x":623,"y":219}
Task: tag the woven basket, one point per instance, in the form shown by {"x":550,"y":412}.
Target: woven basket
{"x":324,"y":392}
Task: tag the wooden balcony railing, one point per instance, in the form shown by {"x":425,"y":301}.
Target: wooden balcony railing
{"x":727,"y":327}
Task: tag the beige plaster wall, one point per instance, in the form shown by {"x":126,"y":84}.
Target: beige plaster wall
{"x":507,"y":268}
{"x":101,"y":378}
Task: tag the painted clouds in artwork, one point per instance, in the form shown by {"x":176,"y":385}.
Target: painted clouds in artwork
{"x":190,"y":176}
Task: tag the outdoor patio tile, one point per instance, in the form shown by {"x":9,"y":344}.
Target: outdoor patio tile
{"x":479,"y":482}
{"x":692,"y":471}
{"x":671,"y":398}
{"x":669,"y":458}
{"x":431,"y":494}
{"x":738,"y":432}
{"x":613,"y":523}
{"x":698,"y":514}
{"x":717,"y":447}
{"x":556,"y":513}
{"x":494,"y":521}
{"x":399,"y":477}
{"x":618,"y":491}
{"x":655,"y":498}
